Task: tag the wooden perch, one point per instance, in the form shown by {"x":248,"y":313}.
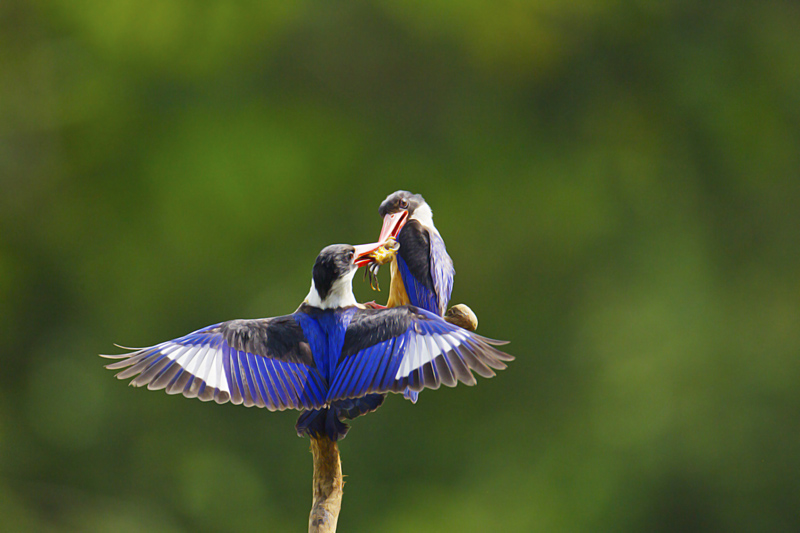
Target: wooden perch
{"x":328,"y":486}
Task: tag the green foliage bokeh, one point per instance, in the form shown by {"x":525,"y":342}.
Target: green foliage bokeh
{"x":618,"y":185}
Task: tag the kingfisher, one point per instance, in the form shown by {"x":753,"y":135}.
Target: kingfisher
{"x":422,"y":272}
{"x":332,"y":358}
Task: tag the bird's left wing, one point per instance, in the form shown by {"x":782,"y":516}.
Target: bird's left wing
{"x":265,"y":362}
{"x":425,"y":267}
{"x":442,"y":272}
{"x":389,"y":350}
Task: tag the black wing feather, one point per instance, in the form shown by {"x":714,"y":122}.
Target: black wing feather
{"x":415,"y":249}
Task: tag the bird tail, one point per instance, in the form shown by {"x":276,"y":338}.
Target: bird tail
{"x":329,"y":421}
{"x":355,"y":407}
{"x":317,"y":423}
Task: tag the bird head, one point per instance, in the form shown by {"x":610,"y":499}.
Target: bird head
{"x":398,"y":208}
{"x":332,"y":275}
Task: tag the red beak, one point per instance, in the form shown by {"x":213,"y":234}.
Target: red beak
{"x":361,"y":256}
{"x":392,"y":224}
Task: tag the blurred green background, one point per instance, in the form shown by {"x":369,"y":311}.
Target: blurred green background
{"x":618,"y":185}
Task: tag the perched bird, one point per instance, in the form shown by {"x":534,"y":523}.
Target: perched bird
{"x":325,"y":358}
{"x":422,"y":271}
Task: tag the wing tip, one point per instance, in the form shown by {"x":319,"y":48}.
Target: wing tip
{"x":491,"y":341}
{"x":114,"y":356}
{"x":121,"y":347}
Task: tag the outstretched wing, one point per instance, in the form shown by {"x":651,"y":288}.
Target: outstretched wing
{"x":265,"y":362}
{"x":388,"y":350}
{"x":425,"y":267}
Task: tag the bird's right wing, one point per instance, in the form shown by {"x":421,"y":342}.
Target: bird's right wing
{"x":390,"y":350}
{"x":265,"y":362}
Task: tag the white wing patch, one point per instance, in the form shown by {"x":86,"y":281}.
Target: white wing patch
{"x":201,"y":361}
{"x":422,"y":349}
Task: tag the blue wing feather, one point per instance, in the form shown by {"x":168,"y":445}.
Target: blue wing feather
{"x":204,"y":364}
{"x":238,"y":384}
{"x":442,"y":272}
{"x":418,"y":294}
{"x":427,"y":353}
{"x":267,"y":389}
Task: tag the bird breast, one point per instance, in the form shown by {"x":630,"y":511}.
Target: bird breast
{"x":397,"y":290}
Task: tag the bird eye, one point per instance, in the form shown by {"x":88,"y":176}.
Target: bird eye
{"x":403,"y":203}
{"x":350,"y":255}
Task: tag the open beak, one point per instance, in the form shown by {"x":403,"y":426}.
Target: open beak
{"x":363,"y":251}
{"x":392,"y":224}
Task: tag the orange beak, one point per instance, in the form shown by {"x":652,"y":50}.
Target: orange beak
{"x":363,"y":251}
{"x":392,"y":224}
